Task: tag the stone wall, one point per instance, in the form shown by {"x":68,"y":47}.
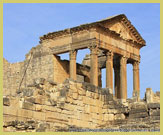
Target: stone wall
{"x":39,"y":63}
{"x":47,"y":106}
{"x":11,"y":77}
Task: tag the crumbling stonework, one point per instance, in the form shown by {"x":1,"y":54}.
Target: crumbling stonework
{"x":39,"y":63}
{"x":47,"y":106}
{"x":45,"y":93}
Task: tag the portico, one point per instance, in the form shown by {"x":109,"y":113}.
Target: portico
{"x":120,"y":43}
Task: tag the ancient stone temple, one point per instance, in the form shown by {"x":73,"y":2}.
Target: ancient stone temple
{"x":45,"y":93}
{"x":116,"y":37}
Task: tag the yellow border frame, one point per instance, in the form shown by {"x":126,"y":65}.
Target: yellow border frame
{"x":70,"y":1}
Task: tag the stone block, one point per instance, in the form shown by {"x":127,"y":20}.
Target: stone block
{"x":138,"y":115}
{"x":85,"y":116}
{"x":67,"y":112}
{"x":69,"y":100}
{"x":138,"y":106}
{"x":39,"y":115}
{"x":88,"y":86}
{"x":30,"y":99}
{"x":153,"y":105}
{"x":68,"y":106}
{"x":52,"y":108}
{"x":73,"y":88}
{"x":119,"y":116}
{"x":27,"y":92}
{"x":80,"y":103}
{"x":89,"y":100}
{"x":55,"y":116}
{"x":154,"y":112}
{"x":63,"y":92}
{"x":88,"y":94}
{"x":25,"y":113}
{"x":80,"y":98}
{"x":113,"y":111}
{"x":155,"y":118}
{"x":149,"y":95}
{"x":79,"y":85}
{"x":75,"y":95}
{"x":96,"y":96}
{"x":96,"y":116}
{"x":38,"y":107}
{"x":108,"y":117}
{"x":8,"y":110}
{"x":40,"y":100}
{"x":42,"y":127}
{"x":39,"y":81}
{"x":87,"y":109}
{"x":80,"y":92}
{"x":27,"y":105}
{"x":95,"y":109}
{"x":137,"y":110}
{"x":6,"y":101}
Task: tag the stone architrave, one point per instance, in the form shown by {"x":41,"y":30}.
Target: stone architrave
{"x":109,"y":71}
{"x":94,"y":65}
{"x":123,"y":78}
{"x":73,"y":64}
{"x":136,"y":81}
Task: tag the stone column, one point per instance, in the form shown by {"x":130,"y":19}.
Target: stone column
{"x":94,"y":65}
{"x":117,"y":80}
{"x":123,"y":78}
{"x":136,"y":83}
{"x":109,"y":71}
{"x":72,"y":66}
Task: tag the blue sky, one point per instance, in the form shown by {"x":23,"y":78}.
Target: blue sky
{"x":25,"y":23}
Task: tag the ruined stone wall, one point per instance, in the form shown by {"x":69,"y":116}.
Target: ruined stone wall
{"x":11,"y":77}
{"x":39,"y":63}
{"x":61,"y":70}
{"x":46,"y":106}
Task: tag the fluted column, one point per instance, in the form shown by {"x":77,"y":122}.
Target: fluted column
{"x":136,"y":81}
{"x":123,"y":78}
{"x":73,"y":64}
{"x":109,"y":71}
{"x":94,"y":65}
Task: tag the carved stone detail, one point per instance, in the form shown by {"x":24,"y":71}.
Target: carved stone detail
{"x":123,"y":60}
{"x":73,"y":54}
{"x":136,"y":65}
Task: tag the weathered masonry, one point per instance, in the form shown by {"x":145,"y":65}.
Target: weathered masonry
{"x":115,"y":37}
{"x":44,"y":93}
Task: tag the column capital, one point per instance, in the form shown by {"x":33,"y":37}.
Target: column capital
{"x":136,"y":65}
{"x":123,"y":60}
{"x":92,"y":46}
{"x":72,"y":54}
{"x":109,"y":55}
{"x":94,"y":49}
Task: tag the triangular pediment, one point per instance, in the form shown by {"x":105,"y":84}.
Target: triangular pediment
{"x":121,"y":25}
{"x":122,"y":30}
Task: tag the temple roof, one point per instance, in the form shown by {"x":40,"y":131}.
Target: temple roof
{"x":117,"y":18}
